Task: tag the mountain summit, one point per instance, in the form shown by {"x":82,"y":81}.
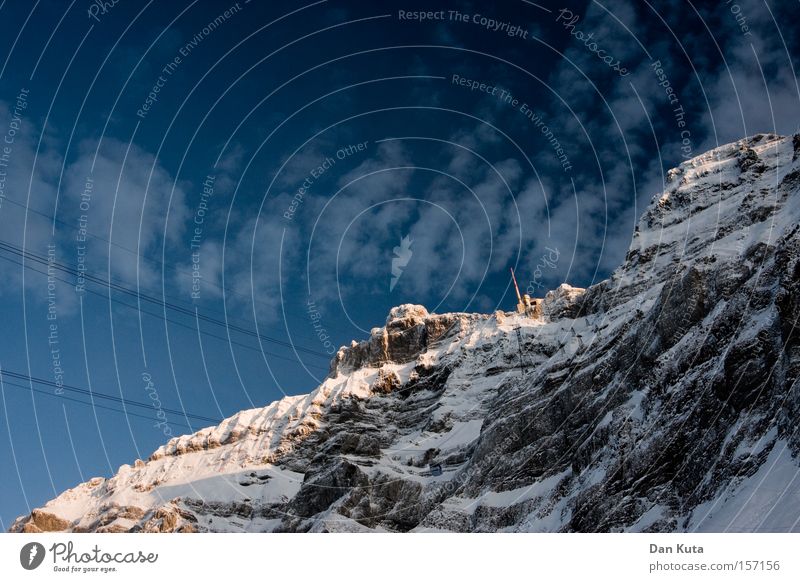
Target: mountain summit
{"x":664,"y":398}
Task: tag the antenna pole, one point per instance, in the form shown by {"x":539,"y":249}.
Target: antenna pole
{"x":516,"y":287}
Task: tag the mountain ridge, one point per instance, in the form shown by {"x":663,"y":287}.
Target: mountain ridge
{"x":664,"y":398}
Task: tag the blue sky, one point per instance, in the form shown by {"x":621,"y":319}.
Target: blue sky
{"x":200,"y":201}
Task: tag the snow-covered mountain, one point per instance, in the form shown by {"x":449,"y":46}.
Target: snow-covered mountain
{"x":665,"y":398}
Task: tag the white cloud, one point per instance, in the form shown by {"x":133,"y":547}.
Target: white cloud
{"x":134,"y":203}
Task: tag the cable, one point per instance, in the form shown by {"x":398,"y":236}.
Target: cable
{"x":8,"y":247}
{"x":90,"y":404}
{"x":103,"y":396}
{"x":163,"y":318}
{"x":172,"y":267}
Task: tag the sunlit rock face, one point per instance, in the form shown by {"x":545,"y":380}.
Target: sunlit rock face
{"x":664,"y":398}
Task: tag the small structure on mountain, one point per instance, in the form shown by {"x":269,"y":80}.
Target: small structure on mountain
{"x":525,"y":304}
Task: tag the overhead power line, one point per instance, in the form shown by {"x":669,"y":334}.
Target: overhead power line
{"x":92,"y":405}
{"x":28,"y":255}
{"x":171,"y":267}
{"x":102,"y":396}
{"x":163,"y":318}
{"x":73,"y":227}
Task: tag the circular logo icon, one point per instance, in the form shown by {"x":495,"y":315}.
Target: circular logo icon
{"x":31,"y":555}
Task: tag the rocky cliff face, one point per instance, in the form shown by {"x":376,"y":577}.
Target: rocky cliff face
{"x":662,"y":399}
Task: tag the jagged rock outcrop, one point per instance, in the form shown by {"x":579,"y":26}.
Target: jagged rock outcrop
{"x":408,"y":331}
{"x":665,"y":398}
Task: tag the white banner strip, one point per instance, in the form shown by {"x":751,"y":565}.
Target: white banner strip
{"x":354,"y":557}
